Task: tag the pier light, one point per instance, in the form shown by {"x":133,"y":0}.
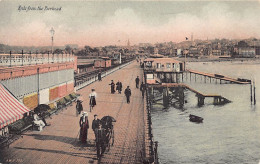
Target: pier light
{"x":52,"y":35}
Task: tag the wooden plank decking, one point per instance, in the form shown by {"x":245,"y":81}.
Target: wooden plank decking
{"x":58,"y":143}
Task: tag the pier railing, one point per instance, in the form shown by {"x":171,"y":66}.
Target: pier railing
{"x":151,"y":152}
{"x":11,"y":60}
{"x":93,"y":78}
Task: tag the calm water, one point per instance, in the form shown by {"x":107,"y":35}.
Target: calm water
{"x":229,"y":133}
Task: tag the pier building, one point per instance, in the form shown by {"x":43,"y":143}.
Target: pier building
{"x":36,"y":79}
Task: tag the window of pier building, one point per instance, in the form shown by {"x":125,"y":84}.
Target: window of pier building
{"x":168,"y":65}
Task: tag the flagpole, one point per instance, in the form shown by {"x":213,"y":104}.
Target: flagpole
{"x":185,"y":56}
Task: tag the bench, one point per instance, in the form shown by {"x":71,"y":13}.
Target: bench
{"x":20,"y":126}
{"x":4,"y":141}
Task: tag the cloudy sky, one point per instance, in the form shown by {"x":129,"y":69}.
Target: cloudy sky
{"x":109,"y":23}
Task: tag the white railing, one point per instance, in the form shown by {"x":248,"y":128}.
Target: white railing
{"x":10,"y":60}
{"x":103,"y":74}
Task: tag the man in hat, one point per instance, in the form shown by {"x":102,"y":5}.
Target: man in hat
{"x":112,"y":87}
{"x":100,"y":140}
{"x":128,"y":94}
{"x":84,"y":125}
{"x":137,"y":81}
{"x":92,"y":98}
{"x":95,"y":122}
{"x":79,"y":107}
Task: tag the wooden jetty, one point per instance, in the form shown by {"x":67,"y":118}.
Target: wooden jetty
{"x":220,"y":77}
{"x":218,"y":99}
{"x":59,"y":143}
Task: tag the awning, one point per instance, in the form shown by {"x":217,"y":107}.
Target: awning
{"x":11,"y":109}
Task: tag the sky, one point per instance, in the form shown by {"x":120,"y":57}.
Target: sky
{"x":100,"y":23}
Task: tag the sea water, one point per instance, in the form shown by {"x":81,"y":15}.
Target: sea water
{"x":229,"y":133}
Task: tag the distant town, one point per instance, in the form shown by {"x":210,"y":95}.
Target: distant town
{"x":223,"y":48}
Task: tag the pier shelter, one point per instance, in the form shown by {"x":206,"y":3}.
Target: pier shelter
{"x":163,"y":65}
{"x":163,"y":70}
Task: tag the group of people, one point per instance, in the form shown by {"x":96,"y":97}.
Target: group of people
{"x":127,"y":90}
{"x":118,"y":85}
{"x":100,"y":134}
{"x":142,"y":86}
{"x":92,"y":102}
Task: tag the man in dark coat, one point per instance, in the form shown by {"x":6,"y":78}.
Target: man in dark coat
{"x":112,"y":87}
{"x":142,"y":88}
{"x":99,"y":76}
{"x":95,"y":122}
{"x":119,"y":86}
{"x":137,"y":81}
{"x":128,"y":94}
{"x":100,"y":140}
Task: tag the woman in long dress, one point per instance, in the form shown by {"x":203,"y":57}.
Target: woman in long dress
{"x":92,"y":98}
{"x":84,"y":125}
{"x":112,"y":87}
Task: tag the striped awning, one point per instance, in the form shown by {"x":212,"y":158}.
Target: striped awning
{"x":11,"y":109}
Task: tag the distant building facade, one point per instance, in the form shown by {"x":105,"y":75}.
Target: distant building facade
{"x":242,"y":49}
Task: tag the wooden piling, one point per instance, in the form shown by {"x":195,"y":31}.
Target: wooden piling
{"x":251,"y":96}
{"x":165,"y":97}
{"x":200,"y":100}
{"x":254,"y":94}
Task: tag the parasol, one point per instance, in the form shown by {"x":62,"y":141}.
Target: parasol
{"x":41,"y":108}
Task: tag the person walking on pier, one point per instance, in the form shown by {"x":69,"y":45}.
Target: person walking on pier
{"x":99,"y":76}
{"x":92,"y":99}
{"x":137,"y":81}
{"x":100,"y":140}
{"x":84,"y":125}
{"x":142,"y":88}
{"x":112,"y":87}
{"x":79,"y":107}
{"x":95,"y":123}
{"x":119,"y":87}
{"x":128,"y":94}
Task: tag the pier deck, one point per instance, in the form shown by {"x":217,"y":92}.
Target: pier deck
{"x":58,"y":143}
{"x":224,"y":78}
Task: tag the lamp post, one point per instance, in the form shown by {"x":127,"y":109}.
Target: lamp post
{"x":52,"y":34}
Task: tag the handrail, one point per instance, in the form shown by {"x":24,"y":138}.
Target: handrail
{"x":153,"y":145}
{"x":94,"y":78}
